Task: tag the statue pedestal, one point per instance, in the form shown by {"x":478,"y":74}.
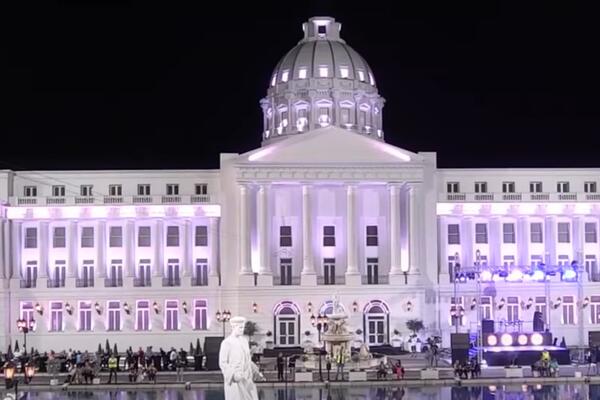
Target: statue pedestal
{"x":357,"y":376}
{"x":303,"y":377}
{"x":308,"y":280}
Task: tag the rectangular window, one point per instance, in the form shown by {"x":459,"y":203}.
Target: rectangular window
{"x":285,"y":271}
{"x":302,"y":73}
{"x":143,"y":189}
{"x":142,"y":321}
{"x":508,"y":231}
{"x":372,"y":236}
{"x":562,"y":187}
{"x":361,"y":75}
{"x":115,"y":190}
{"x":201,"y":272}
{"x":58,"y":191}
{"x":114,"y":316}
{"x":536,"y":232}
{"x":87,"y":237}
{"x":285,"y":236}
{"x":595,"y":310}
{"x":144,"y":236}
{"x":452,"y":187}
{"x":568,"y":310}
{"x":201,"y":189}
{"x":564,"y":232}
{"x":201,"y":236}
{"x":372,"y":271}
{"x":480,"y":187}
{"x":486,"y":307}
{"x":31,"y":238}
{"x":56,"y":316}
{"x":172,"y":189}
{"x":172,"y":236}
{"x":481,"y":236}
{"x":200,"y":315}
{"x":285,"y":75}
{"x":85,"y":315}
{"x":540,"y":306}
{"x":457,"y":311}
{"x":508,"y":187}
{"x":323,"y":71}
{"x":329,"y":236}
{"x":535,"y":187}
{"x":59,"y":239}
{"x":172,"y":315}
{"x":30,"y":191}
{"x":115,"y":236}
{"x":590,"y":232}
{"x":512,"y":309}
{"x":344,"y":72}
{"x":27,"y":312}
{"x":453,"y":234}
{"x":86,"y":190}
{"x":589,"y":187}
{"x":329,"y":271}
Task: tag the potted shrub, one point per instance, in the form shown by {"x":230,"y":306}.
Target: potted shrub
{"x":269,"y":341}
{"x":307,"y":333}
{"x":250,"y":330}
{"x":396,"y":340}
{"x":415,"y":325}
{"x":358,"y":340}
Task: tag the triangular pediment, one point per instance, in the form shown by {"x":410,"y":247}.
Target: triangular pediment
{"x":330,"y":145}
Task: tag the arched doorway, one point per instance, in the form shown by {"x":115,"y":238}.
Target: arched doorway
{"x":286,"y":324}
{"x":376,"y":317}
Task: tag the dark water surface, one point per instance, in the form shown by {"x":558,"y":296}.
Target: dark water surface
{"x":515,"y":392}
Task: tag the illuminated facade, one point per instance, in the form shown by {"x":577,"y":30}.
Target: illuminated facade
{"x":324,"y":206}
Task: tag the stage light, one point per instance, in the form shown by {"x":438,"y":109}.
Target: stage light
{"x":538,"y":275}
{"x":537,"y":339}
{"x":486,"y":276}
{"x":515,"y":275}
{"x":522,"y":339}
{"x":506,"y":339}
{"x":492,"y":340}
{"x":569,"y":275}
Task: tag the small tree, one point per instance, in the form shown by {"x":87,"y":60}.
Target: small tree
{"x":191,"y":352}
{"x":115,"y":351}
{"x":250,"y":330}
{"x":99,"y":348}
{"x":107,"y":347}
{"x":17,"y":346}
{"x":415,"y":325}
{"x":198,"y":348}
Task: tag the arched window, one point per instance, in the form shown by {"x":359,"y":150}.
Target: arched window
{"x":346,"y":108}
{"x":376,"y":316}
{"x":287,"y":324}
{"x":324,"y":112}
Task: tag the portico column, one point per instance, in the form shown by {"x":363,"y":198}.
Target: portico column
{"x":309,"y":275}
{"x":17,"y":227}
{"x":523,"y":233}
{"x":6,"y":254}
{"x":495,"y":241}
{"x":130,"y":246}
{"x":3,"y":272}
{"x":467,"y":241}
{"x":214,"y":246}
{"x":263,"y":230}
{"x":72,"y":242}
{"x":395,"y":259}
{"x":187,"y":247}
{"x":414,"y":228}
{"x":352,"y":272}
{"x":43,"y":269}
{"x":101,"y":248}
{"x":245,"y":263}
{"x":159,"y":254}
{"x":550,"y":239}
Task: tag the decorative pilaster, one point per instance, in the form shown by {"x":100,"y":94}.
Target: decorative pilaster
{"x":101,"y":249}
{"x":3,"y":272}
{"x":72,"y":246}
{"x":415,"y":225}
{"x":523,"y":233}
{"x":467,"y":240}
{"x":213,"y":242}
{"x":188,"y":236}
{"x":245,"y":262}
{"x":352,"y":271}
{"x":7,"y":251}
{"x":17,"y":227}
{"x":43,"y":249}
{"x":309,"y":275}
{"x":550,"y":238}
{"x":264,"y":267}
{"x":495,"y":241}
{"x":395,"y":253}
{"x":159,"y":253}
{"x":130,"y":246}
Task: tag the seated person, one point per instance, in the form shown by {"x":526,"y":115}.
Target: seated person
{"x":87,"y":372}
{"x":152,"y":373}
{"x":553,"y":367}
{"x":381,"y":371}
{"x":133,"y":374}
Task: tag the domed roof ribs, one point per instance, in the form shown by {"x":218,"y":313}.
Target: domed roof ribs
{"x":293,"y":68}
{"x":351,"y":60}
{"x":314,"y":64}
{"x":332,"y":58}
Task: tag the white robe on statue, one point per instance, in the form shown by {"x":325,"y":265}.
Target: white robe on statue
{"x":238,"y":369}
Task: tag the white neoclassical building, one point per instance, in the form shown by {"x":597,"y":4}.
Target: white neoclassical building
{"x":325,"y":206}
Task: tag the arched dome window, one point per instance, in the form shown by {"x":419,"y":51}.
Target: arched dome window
{"x":327,"y":308}
{"x":287,"y":324}
{"x":364,"y":119}
{"x":324,"y":112}
{"x":376,"y":316}
{"x":282,"y":118}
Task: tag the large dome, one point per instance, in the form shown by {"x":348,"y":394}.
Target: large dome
{"x":321,"y":81}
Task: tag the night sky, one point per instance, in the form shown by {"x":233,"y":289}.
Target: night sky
{"x":133,"y":85}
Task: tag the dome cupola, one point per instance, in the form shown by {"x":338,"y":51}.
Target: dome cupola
{"x":321,"y":82}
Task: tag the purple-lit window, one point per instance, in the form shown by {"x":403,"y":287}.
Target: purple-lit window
{"x":143,"y":189}
{"x":329,"y":236}
{"x":31,"y":238}
{"x":285,"y":236}
{"x":512,"y":309}
{"x":540,"y":306}
{"x":201,"y":237}
{"x":27,"y":311}
{"x":372,"y":236}
{"x":144,"y":236}
{"x":453,"y":234}
{"x":568,"y":310}
{"x":56,"y":316}
{"x":563,"y":187}
{"x":115,"y":236}
{"x":87,"y":237}
{"x":329,"y":271}
{"x":564,"y":232}
{"x":142,"y":322}
{"x":114,"y":316}
{"x":591,"y":235}
{"x":200,"y":315}
{"x":508,"y":232}
{"x":481,"y":236}
{"x":85,"y":315}
{"x":172,"y":236}
{"x":172,"y":315}
{"x":30,"y":191}
{"x":595,"y":309}
{"x":536,"y":232}
{"x":59,"y":238}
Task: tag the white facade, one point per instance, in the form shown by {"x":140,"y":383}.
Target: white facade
{"x":149,"y":257}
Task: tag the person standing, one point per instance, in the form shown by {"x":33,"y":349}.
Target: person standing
{"x":328,"y":367}
{"x":280,"y":366}
{"x":179,"y":365}
{"x":340,"y":360}
{"x":112,"y":368}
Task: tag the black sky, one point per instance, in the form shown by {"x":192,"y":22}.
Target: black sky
{"x":133,"y":85}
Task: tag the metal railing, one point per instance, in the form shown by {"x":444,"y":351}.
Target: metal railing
{"x":142,"y":282}
{"x":82,"y":282}
{"x":28,"y":283}
{"x":113,"y":282}
{"x":101,"y":200}
{"x":199,"y":281}
{"x":169,"y":282}
{"x":55,"y":283}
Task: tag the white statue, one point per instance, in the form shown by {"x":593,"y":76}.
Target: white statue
{"x":236,"y":364}
{"x":337,"y":308}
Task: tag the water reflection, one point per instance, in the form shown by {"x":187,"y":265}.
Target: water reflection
{"x":515,"y":392}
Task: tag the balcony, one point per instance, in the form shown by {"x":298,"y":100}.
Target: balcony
{"x":28,"y":283}
{"x":142,"y":282}
{"x":169,"y":282}
{"x":199,"y":281}
{"x":375,"y":280}
{"x":294,"y":281}
{"x":84,"y":282}
{"x":520,"y":197}
{"x":55,"y":283}
{"x":339,"y":280}
{"x":113,"y":282}
{"x":111,"y":200}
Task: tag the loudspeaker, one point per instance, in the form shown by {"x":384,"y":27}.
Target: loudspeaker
{"x":594,"y":338}
{"x":460,"y":355}
{"x":459,"y":341}
{"x":212,"y":345}
{"x":538,"y":322}
{"x":487,"y":326}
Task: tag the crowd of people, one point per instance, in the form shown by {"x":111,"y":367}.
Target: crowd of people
{"x":465,"y":368}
